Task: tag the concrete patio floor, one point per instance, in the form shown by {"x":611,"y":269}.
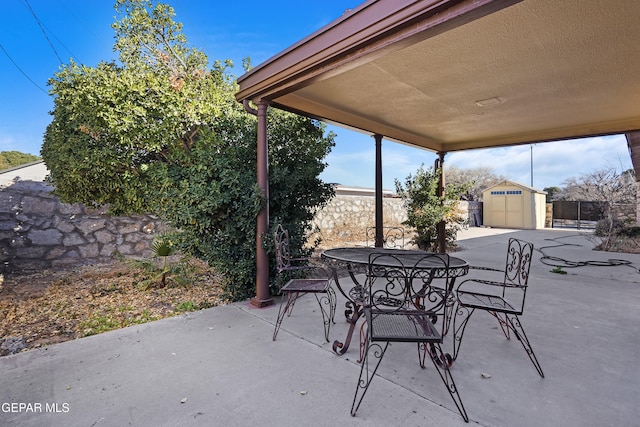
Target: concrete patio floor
{"x":219,"y":367}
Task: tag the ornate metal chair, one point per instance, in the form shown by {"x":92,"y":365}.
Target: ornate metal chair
{"x":393,"y":237}
{"x":503,"y":299}
{"x":296,"y":287}
{"x":393,"y":316}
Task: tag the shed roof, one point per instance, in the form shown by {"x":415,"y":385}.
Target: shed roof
{"x":515,"y":184}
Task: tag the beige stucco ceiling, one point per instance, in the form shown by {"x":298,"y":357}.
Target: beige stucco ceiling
{"x":545,"y":69}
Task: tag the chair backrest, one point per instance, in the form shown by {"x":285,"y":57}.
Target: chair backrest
{"x":516,"y":271}
{"x":393,"y":237}
{"x":398,"y":281}
{"x":281,"y":242}
{"x":518,"y":264}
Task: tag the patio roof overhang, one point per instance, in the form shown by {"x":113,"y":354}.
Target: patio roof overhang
{"x":449,"y":75}
{"x":452,"y":75}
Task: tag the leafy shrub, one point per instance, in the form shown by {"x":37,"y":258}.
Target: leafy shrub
{"x":633,"y":231}
{"x":425,"y":209}
{"x":212,"y":198}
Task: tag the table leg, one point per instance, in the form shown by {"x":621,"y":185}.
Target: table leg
{"x":353,"y":306}
{"x":355,"y":310}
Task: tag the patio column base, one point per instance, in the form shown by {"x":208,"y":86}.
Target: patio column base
{"x":260,"y":303}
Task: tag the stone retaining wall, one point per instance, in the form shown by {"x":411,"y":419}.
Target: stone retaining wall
{"x":346,"y":217}
{"x":38,"y":231}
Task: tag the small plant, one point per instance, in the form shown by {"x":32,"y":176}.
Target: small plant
{"x":144,"y":317}
{"x":558,"y":270}
{"x":158,"y":276}
{"x":191,"y":306}
{"x":97,"y":324}
{"x":186,"y":306}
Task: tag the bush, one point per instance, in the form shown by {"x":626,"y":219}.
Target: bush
{"x":425,"y":209}
{"x":607,"y":227}
{"x":211,"y":195}
{"x":633,"y":231}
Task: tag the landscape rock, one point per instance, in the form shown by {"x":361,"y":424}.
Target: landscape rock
{"x":12,"y":345}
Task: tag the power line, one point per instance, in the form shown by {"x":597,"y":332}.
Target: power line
{"x":21,"y":70}
{"x":83,"y":21}
{"x":26,"y":3}
{"x":58,"y":40}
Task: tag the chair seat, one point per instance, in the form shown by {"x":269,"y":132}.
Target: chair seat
{"x":306,"y":285}
{"x":402,"y":325}
{"x":486,"y":302}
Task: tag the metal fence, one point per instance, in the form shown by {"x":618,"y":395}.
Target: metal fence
{"x":586,"y":214}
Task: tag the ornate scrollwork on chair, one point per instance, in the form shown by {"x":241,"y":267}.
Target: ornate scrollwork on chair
{"x":393,"y":237}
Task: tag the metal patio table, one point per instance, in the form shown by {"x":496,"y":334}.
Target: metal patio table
{"x":355,"y":261}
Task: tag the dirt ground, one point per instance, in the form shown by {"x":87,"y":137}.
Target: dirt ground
{"x":52,"y":306}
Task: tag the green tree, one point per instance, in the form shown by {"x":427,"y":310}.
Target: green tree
{"x":214,"y":199}
{"x":111,"y":122}
{"x":425,"y":209}
{"x":159,"y":132}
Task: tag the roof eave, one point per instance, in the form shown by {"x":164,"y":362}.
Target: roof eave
{"x":362,"y":34}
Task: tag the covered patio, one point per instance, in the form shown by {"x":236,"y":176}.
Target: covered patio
{"x":220,"y":367}
{"x":447,"y":75}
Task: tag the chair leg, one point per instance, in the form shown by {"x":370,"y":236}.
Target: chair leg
{"x":284,"y":308}
{"x":503,"y":322}
{"x":442,"y":359}
{"x":366,"y":376}
{"x":422,"y":353}
{"x":333,"y":303}
{"x":364,"y":333}
{"x":290,"y":304}
{"x":459,"y":326}
{"x":330,"y":299}
{"x":516,"y":327}
{"x":447,"y":379}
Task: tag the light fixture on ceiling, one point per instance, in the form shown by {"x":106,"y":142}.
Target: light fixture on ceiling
{"x":491,"y":101}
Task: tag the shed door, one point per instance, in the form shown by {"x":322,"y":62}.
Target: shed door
{"x":514,"y":209}
{"x":494,"y":209}
{"x":506,"y":208}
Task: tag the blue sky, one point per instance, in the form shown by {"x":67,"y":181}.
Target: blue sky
{"x":32,"y":50}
